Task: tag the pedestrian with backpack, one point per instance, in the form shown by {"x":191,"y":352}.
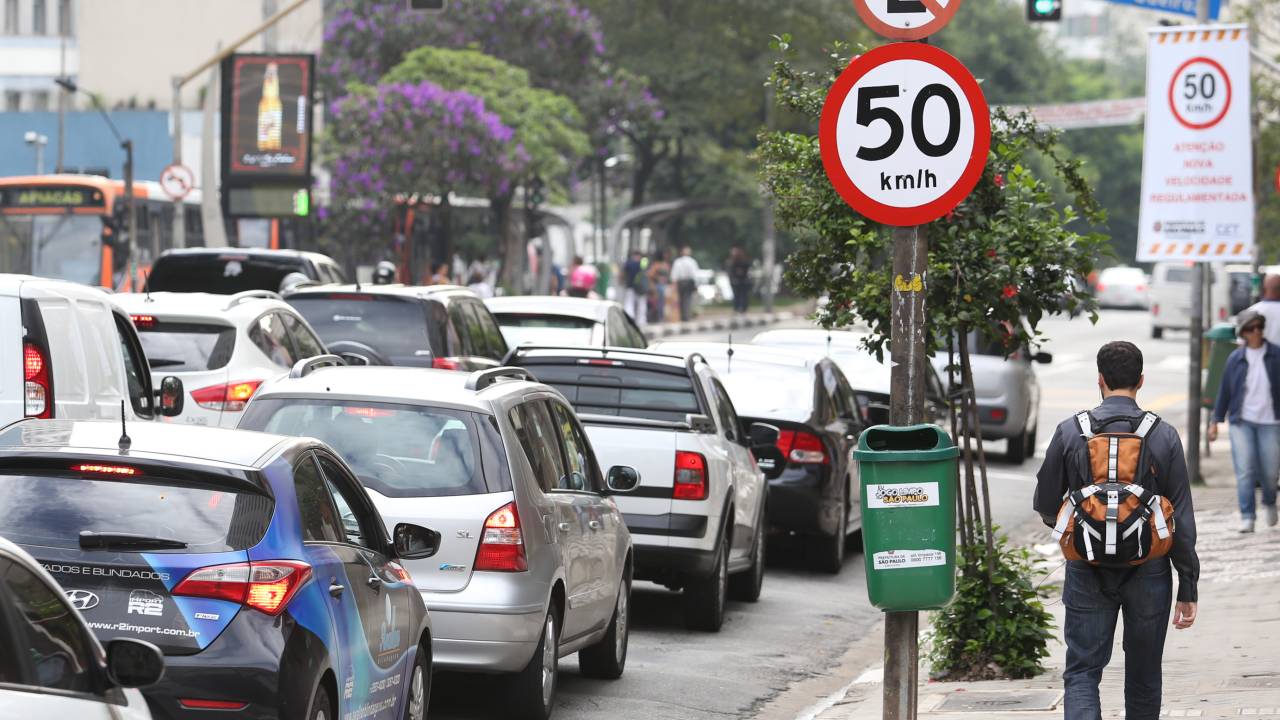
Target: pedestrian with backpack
{"x":1115,"y":489}
{"x":1249,"y":398}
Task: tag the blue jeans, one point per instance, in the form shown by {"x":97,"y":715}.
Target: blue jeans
{"x":1255,"y":452}
{"x":1093,"y":598}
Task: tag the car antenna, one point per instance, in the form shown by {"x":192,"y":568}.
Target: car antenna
{"x":728,"y":366}
{"x":125,"y":441}
{"x":146,"y":283}
{"x":828,"y":343}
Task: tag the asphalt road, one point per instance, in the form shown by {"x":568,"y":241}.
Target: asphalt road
{"x":805,"y":621}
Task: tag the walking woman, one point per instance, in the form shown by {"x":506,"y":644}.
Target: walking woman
{"x":1249,"y":399}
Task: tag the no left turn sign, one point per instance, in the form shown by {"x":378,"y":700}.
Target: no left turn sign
{"x":177,"y":181}
{"x":904,"y":134}
{"x":906,"y":19}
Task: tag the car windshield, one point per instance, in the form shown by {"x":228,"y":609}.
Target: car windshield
{"x":545,"y":329}
{"x":398,"y":450}
{"x":64,"y":247}
{"x":222,"y":273}
{"x":768,"y":391}
{"x":186,"y":346}
{"x":393,"y":326}
{"x":52,"y":511}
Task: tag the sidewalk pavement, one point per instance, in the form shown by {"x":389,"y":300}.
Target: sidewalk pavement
{"x":711,"y":322}
{"x":1226,"y":665}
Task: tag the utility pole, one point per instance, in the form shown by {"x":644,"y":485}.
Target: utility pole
{"x":769,"y":247}
{"x":62,"y":106}
{"x":131,"y":206}
{"x":1194,"y":392}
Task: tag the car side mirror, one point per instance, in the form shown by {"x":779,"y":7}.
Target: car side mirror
{"x":622,"y":479}
{"x":1043,"y":358}
{"x":877,"y":414}
{"x":172,"y":396}
{"x":134,"y":663}
{"x":414,"y":542}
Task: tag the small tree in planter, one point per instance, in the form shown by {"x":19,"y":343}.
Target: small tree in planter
{"x":997,"y":265}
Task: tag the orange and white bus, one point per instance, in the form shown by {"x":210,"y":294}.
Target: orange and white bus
{"x":75,"y":227}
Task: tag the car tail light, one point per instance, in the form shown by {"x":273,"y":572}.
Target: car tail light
{"x":35,"y":376}
{"x":1222,"y":313}
{"x":266,"y":586}
{"x":143,"y":322}
{"x":445,"y":364}
{"x":802,"y":447}
{"x":502,"y":545}
{"x":603,"y":363}
{"x":368,"y":412}
{"x":1155,"y":308}
{"x":999,"y":414}
{"x":229,"y":396}
{"x":121,"y":470}
{"x":202,"y":704}
{"x":1099,"y":287}
{"x":1141,"y":288}
{"x":691,"y":476}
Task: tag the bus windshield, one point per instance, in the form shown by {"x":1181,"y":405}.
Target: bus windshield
{"x":65,"y":247}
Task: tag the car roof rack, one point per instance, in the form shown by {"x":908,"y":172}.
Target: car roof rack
{"x":251,"y":295}
{"x":482,"y":379}
{"x":303,"y":368}
{"x":604,"y":351}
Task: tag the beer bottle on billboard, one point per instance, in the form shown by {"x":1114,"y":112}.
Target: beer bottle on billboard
{"x":270,"y":110}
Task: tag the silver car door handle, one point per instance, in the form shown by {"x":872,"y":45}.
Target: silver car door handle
{"x":594,"y":524}
{"x":335,"y":589}
{"x":564,"y":527}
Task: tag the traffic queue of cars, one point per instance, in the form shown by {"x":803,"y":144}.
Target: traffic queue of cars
{"x":415,"y":481}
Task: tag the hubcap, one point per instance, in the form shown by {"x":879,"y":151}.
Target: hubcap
{"x":417,"y":692}
{"x":548,"y":661}
{"x":620,"y":627}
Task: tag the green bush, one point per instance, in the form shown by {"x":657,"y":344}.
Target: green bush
{"x":996,"y":629}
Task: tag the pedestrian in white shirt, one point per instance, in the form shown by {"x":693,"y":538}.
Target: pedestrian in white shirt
{"x":684,"y":273}
{"x":1269,"y":307}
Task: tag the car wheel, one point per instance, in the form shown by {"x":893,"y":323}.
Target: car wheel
{"x":1031,"y":442}
{"x":704,"y":597}
{"x":608,"y":658}
{"x":534,"y":688}
{"x":419,"y":695}
{"x":828,"y":552}
{"x":1017,"y":452}
{"x":321,"y":706}
{"x":1157,"y":332}
{"x":746,"y":586}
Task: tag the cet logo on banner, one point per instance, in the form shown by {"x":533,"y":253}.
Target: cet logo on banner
{"x":1197,"y":160}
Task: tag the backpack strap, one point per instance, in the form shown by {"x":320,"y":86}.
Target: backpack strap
{"x":1113,"y":495}
{"x":1148,"y":422}
{"x":1086,"y":424}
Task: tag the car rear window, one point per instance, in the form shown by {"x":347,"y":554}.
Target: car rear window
{"x":545,"y":329}
{"x":222,"y":274}
{"x":1177,"y":275}
{"x":186,"y":346}
{"x":626,"y":391}
{"x":396,"y":449}
{"x":1133,"y":275}
{"x":52,"y":511}
{"x":762,"y":390}
{"x":395,"y":327}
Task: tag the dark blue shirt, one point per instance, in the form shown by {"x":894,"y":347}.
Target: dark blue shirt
{"x":1231,"y":391}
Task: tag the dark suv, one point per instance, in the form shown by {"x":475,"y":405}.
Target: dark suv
{"x":446,"y":327}
{"x":226,"y":271}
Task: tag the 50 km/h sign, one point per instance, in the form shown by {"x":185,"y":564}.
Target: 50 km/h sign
{"x":905,"y":134}
{"x":906,"y":19}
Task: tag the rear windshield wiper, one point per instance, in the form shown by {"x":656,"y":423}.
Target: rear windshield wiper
{"x":91,"y":539}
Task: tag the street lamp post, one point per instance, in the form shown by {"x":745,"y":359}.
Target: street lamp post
{"x":37,"y":141}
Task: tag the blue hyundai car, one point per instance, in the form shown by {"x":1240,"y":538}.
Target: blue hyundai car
{"x":255,"y":562}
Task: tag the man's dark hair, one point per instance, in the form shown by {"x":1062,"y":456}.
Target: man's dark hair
{"x":1120,"y":363}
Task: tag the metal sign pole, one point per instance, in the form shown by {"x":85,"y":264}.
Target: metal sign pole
{"x":1197,"y":338}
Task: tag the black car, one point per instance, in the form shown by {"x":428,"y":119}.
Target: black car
{"x":815,"y":493}
{"x":446,"y":327}
{"x":226,"y":271}
{"x":256,"y":563}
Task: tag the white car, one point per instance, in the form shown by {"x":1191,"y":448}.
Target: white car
{"x":550,"y":320}
{"x":222,"y":347}
{"x":1121,"y":287}
{"x":68,"y":351}
{"x":51,"y":665}
{"x":1230,"y":288}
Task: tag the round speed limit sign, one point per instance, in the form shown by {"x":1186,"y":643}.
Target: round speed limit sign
{"x":904,"y":134}
{"x":1199,"y":93}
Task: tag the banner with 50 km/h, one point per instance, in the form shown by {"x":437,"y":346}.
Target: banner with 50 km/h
{"x":904,"y":134}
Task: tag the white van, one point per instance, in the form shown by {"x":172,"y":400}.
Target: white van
{"x":77,"y":353}
{"x":1229,"y":293}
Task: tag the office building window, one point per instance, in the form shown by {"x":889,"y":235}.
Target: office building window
{"x":40,"y":100}
{"x":12,"y":101}
{"x":10,"y":17}
{"x":64,"y":18}
{"x":39,"y":17}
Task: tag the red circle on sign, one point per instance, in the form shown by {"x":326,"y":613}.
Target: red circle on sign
{"x":941,"y":16}
{"x":858,"y":200}
{"x":1173,"y":82}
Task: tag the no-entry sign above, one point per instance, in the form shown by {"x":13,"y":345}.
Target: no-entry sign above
{"x":904,"y":134}
{"x":906,"y":19}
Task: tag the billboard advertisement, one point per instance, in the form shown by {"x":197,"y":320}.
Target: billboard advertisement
{"x":267,"y":117}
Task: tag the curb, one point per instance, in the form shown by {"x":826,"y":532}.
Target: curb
{"x":734,"y":322}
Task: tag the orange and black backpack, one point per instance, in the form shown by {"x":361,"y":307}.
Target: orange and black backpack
{"x":1114,"y":517}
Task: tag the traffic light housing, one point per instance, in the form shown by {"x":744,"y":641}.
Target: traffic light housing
{"x":427,"y":5}
{"x":1044,"y":10}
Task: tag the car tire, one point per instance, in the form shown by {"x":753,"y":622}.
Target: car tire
{"x":1157,"y":332}
{"x":1017,"y":452}
{"x":828,"y":550}
{"x":704,"y":597}
{"x":418,"y":698}
{"x":608,"y":658}
{"x":321,"y":706}
{"x":534,"y":688}
{"x":1031,"y":442}
{"x":746,"y":586}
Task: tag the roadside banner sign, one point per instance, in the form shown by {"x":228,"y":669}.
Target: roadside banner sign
{"x":1180,"y":7}
{"x":904,"y":134}
{"x":177,"y":181}
{"x":1197,"y":158}
{"x":1088,"y":114}
{"x":906,"y":19}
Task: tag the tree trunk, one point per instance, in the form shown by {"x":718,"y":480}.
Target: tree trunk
{"x":961,"y":520}
{"x":512,"y":275}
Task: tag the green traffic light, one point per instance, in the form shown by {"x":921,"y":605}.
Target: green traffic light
{"x":1045,"y":7}
{"x":302,"y":203}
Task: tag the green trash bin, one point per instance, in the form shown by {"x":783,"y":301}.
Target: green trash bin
{"x":908,"y":477}
{"x":1219,"y":342}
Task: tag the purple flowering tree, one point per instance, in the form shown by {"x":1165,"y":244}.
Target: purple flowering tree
{"x":390,"y":141}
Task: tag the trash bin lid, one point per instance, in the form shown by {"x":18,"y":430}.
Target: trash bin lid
{"x":909,"y":443}
{"x":1222,"y":331}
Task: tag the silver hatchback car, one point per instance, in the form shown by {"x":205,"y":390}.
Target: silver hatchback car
{"x":535,"y":560}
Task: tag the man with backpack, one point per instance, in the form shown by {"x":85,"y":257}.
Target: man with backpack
{"x":1114,"y":486}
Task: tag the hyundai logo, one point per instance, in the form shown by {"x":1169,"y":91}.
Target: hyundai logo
{"x":82,"y":599}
